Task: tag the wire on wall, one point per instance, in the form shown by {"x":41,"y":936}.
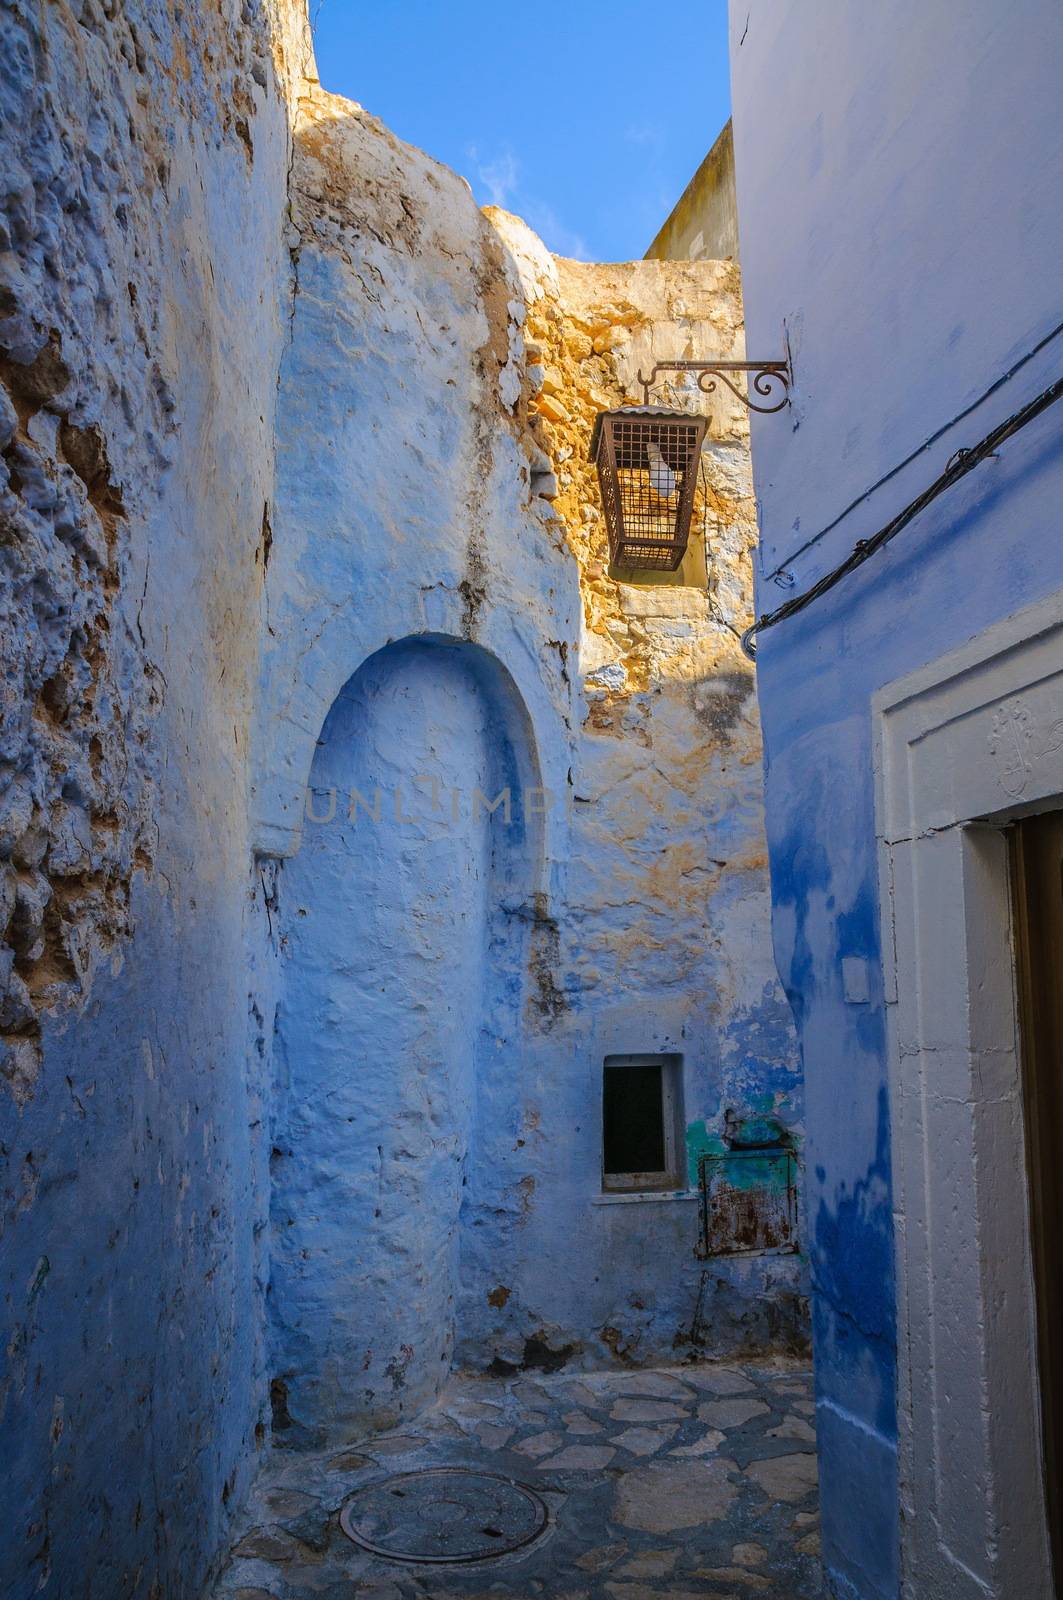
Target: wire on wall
{"x":781,"y":572}
{"x":959,"y":465}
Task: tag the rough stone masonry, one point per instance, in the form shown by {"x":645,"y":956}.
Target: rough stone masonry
{"x":294,"y":494}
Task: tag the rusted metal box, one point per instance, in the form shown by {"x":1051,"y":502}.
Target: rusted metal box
{"x":748,"y":1202}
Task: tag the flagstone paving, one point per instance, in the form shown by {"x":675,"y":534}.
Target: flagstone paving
{"x":694,"y":1481}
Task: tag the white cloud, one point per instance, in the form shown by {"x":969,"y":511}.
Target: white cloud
{"x":647,"y":134}
{"x":498,"y":177}
{"x":498,"y":183}
{"x":555,"y":234}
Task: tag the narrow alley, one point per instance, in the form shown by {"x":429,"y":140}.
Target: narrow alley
{"x":692,"y":1483}
{"x":531,"y":800}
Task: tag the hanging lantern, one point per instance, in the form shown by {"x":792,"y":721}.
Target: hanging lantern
{"x":647,"y":459}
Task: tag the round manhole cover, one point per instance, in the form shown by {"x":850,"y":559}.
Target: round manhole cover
{"x":443,"y":1514}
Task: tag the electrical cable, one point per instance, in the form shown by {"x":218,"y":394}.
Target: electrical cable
{"x":958,"y":466}
{"x":998,"y":383}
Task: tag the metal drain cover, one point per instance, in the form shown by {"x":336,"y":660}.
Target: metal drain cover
{"x":444,"y":1514}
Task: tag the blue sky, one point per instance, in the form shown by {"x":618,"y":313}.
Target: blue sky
{"x":577,"y":114}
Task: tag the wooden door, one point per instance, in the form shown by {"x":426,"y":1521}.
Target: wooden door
{"x":1037,"y":880}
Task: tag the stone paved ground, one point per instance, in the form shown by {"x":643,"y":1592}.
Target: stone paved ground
{"x":691,"y":1481}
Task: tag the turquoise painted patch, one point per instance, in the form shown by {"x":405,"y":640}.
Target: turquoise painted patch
{"x":700,"y":1142}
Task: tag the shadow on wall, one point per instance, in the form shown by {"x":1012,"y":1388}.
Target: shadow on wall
{"x":403,"y":981}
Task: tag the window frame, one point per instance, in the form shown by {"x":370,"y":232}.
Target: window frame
{"x":672,"y":1177}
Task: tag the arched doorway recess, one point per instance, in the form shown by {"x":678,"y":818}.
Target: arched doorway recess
{"x":405,"y":920}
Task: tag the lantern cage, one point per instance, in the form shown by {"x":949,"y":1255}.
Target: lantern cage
{"x":647,"y":459}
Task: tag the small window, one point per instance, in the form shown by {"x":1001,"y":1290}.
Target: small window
{"x":642,"y":1122}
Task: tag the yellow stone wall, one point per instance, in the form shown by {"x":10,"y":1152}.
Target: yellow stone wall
{"x":589,"y":329}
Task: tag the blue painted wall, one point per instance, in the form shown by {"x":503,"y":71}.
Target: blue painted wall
{"x":133,"y":221}
{"x":282,"y":438}
{"x":402,"y":984}
{"x":893,"y":172}
{"x":635,"y":920}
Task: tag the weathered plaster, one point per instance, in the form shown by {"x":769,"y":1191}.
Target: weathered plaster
{"x":863,"y":166}
{"x":703,"y":223}
{"x":436,"y":400}
{"x":973,"y":738}
{"x":144,"y":157}
{"x":406,"y":908}
{"x":275,"y":446}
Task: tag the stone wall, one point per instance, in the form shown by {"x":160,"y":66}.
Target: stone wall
{"x":433,"y":486}
{"x":142,"y":308}
{"x":282,"y":409}
{"x":404,"y":512}
{"x":660,"y":933}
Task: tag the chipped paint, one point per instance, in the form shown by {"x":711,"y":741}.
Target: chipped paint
{"x":143,"y":309}
{"x":625,"y":911}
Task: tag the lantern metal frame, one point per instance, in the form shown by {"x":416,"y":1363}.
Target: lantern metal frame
{"x":770,"y":380}
{"x":647,"y":459}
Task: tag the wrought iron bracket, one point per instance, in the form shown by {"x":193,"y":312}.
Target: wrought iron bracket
{"x":767,"y":380}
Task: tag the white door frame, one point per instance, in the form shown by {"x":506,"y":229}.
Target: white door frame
{"x":961,"y":747}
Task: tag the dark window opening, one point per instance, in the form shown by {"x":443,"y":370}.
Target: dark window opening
{"x":1037,"y":887}
{"x":634,"y":1120}
{"x":641,"y":1134}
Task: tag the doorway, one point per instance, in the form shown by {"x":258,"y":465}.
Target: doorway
{"x":1037,"y":888}
{"x":965,"y":746}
